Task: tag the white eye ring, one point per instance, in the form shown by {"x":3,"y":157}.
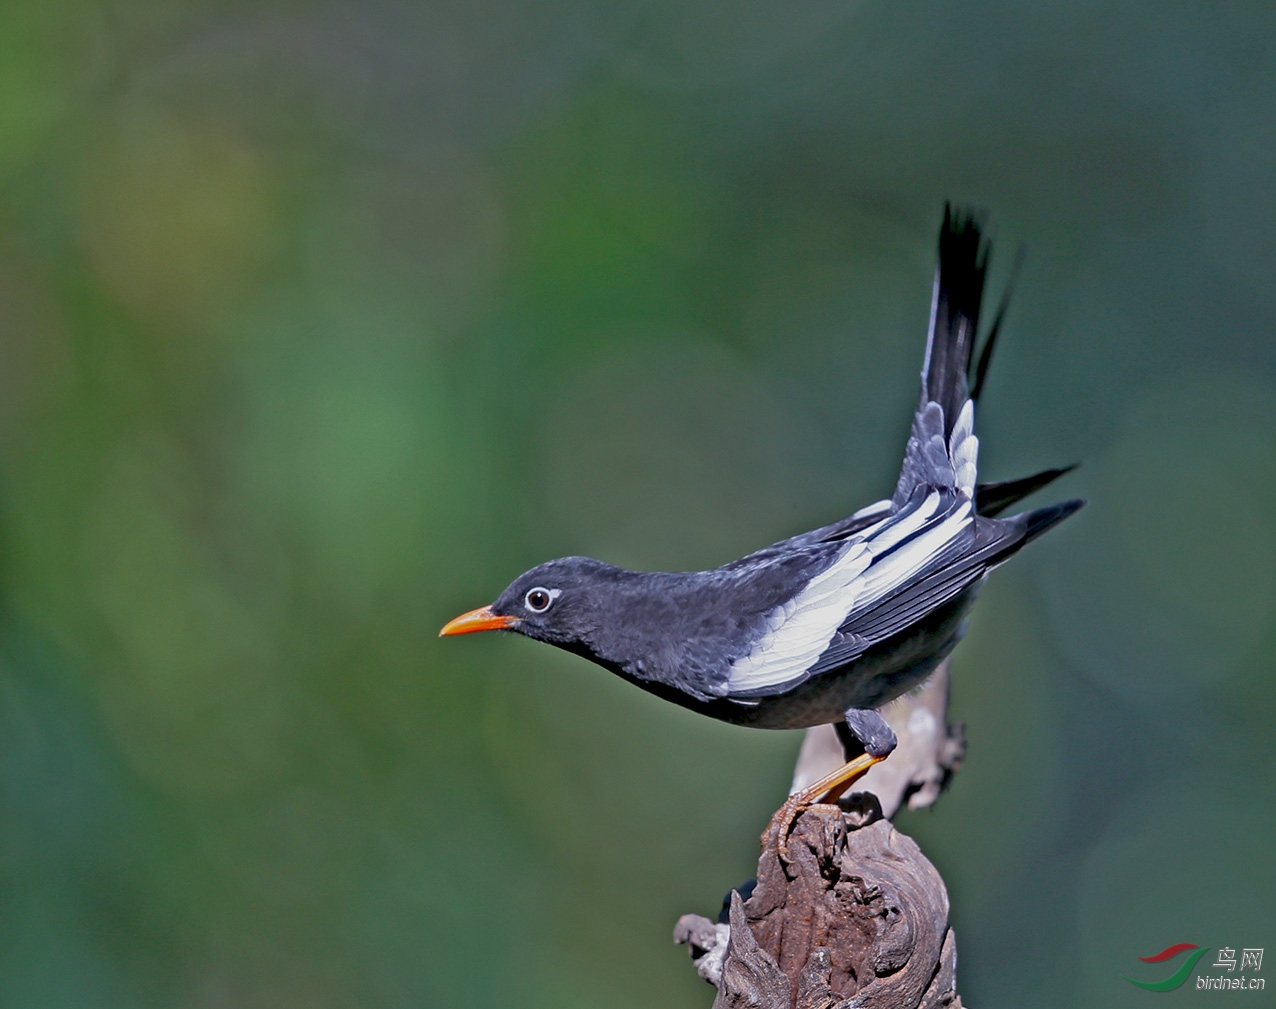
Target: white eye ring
{"x":538,"y":600}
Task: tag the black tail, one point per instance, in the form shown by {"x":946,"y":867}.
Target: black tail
{"x":954,"y":318}
{"x":994,"y":498}
{"x":985,"y":356}
{"x":933,"y":457}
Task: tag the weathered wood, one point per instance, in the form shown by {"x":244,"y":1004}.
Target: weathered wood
{"x":855,"y":917}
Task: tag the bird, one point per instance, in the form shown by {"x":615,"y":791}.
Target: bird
{"x":828,"y":625}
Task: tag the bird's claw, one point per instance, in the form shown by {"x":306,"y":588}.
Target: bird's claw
{"x":778,"y":830}
{"x":831,"y":786}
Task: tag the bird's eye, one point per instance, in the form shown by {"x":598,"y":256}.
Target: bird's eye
{"x":538,"y":599}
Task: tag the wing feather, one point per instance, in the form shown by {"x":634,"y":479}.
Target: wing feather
{"x":872,"y":567}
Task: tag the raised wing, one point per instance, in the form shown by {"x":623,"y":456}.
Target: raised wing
{"x":877,"y":564}
{"x":919,"y":573}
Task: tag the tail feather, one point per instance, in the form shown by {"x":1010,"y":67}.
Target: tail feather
{"x":980,"y":371}
{"x":942,"y":448}
{"x":954,"y":318}
{"x":992,"y":499}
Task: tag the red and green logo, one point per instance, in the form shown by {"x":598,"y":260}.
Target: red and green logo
{"x":1180,"y":975}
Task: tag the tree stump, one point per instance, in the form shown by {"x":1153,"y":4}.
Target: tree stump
{"x":855,"y":918}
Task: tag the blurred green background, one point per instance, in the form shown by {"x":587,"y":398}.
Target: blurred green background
{"x":319,"y":322}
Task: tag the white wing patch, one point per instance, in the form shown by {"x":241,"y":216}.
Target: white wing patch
{"x":882,"y":508}
{"x":801,"y":629}
{"x":891,"y":572}
{"x":891,"y":533}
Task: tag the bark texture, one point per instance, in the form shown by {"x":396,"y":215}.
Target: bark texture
{"x":855,"y":917}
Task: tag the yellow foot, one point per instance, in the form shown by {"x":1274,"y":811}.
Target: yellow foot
{"x":829,"y":788}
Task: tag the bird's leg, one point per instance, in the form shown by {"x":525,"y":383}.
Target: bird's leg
{"x":864,"y":733}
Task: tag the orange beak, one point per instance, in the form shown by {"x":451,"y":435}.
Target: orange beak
{"x":482,"y":619}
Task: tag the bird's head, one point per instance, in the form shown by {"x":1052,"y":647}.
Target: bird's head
{"x":559,"y":602}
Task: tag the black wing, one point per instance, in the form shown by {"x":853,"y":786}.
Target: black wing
{"x":834,"y":532}
{"x":966,"y":559}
